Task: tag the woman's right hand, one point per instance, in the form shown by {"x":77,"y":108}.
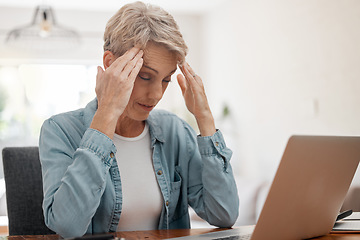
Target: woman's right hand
{"x":113,"y":89}
{"x":115,"y":84}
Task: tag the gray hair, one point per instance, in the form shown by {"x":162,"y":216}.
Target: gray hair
{"x":137,"y":24}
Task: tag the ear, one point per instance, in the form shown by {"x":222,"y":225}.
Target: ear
{"x":108,"y":59}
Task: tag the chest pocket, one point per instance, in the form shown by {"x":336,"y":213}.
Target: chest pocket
{"x":177,"y":203}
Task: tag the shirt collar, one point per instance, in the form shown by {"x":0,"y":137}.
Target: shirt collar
{"x":155,"y":129}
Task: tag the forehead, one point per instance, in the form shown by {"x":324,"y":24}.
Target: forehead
{"x":159,"y":58}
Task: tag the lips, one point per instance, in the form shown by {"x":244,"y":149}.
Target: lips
{"x":146,"y":107}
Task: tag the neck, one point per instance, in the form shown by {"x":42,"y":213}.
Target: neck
{"x":127,"y":127}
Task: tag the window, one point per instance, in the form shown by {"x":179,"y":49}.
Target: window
{"x":31,"y":93}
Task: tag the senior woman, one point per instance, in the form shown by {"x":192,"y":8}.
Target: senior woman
{"x":117,"y":164}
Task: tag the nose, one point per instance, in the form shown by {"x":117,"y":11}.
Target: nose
{"x":156,"y":90}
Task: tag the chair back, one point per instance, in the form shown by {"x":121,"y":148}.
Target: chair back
{"x":24,"y":191}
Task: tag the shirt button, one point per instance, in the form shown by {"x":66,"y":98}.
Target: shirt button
{"x":159,"y":172}
{"x":111,"y":154}
{"x":217,"y":144}
{"x":167,"y":203}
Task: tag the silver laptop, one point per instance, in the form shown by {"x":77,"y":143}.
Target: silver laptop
{"x":307,"y":192}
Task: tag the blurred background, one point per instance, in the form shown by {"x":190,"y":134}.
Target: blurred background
{"x":271,"y":69}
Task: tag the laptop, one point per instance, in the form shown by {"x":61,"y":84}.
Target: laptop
{"x":307,"y":192}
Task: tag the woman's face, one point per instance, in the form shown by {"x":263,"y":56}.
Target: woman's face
{"x":151,"y":82}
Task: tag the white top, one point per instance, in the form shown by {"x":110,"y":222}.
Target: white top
{"x":141,"y":196}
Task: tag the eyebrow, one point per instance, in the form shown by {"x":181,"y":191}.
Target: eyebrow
{"x":157,"y":70}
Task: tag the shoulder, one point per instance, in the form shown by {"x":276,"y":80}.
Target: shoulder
{"x":62,"y":131}
{"x":80,"y":118}
{"x":67,"y":123}
{"x":72,"y":118}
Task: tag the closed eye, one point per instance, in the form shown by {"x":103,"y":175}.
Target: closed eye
{"x":167,"y":79}
{"x":145,"y":76}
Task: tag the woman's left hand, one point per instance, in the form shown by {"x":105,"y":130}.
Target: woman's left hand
{"x":196,"y":101}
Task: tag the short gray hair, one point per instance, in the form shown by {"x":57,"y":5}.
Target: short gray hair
{"x":136,"y":24}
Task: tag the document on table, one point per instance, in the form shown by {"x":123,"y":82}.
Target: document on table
{"x":350,"y":223}
{"x":353,"y":216}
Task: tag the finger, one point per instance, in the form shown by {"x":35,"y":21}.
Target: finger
{"x":131,"y":65}
{"x":99,"y":77}
{"x":99,"y":74}
{"x":186,"y":71}
{"x":191,"y":71}
{"x":121,"y":61}
{"x":182,"y":83}
{"x":194,"y":79}
{"x":135,"y":71}
{"x":182,"y":68}
{"x":131,"y":53}
{"x":194,"y":75}
{"x":189,"y":77}
{"x":100,"y":71}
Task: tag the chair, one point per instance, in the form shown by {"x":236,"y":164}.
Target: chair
{"x":24,"y":191}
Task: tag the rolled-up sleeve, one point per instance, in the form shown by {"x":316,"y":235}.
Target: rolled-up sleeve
{"x":74,"y":172}
{"x":214,"y":195}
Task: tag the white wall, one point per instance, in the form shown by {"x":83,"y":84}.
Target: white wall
{"x":284,"y":67}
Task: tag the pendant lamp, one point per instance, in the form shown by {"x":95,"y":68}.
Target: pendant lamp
{"x":43,"y":33}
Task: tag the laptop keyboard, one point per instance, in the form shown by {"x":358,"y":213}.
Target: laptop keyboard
{"x":235,"y":237}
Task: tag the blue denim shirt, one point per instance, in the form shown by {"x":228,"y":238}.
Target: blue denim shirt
{"x":82,"y":184}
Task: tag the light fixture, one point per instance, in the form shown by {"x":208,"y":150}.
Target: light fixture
{"x":43,"y":33}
